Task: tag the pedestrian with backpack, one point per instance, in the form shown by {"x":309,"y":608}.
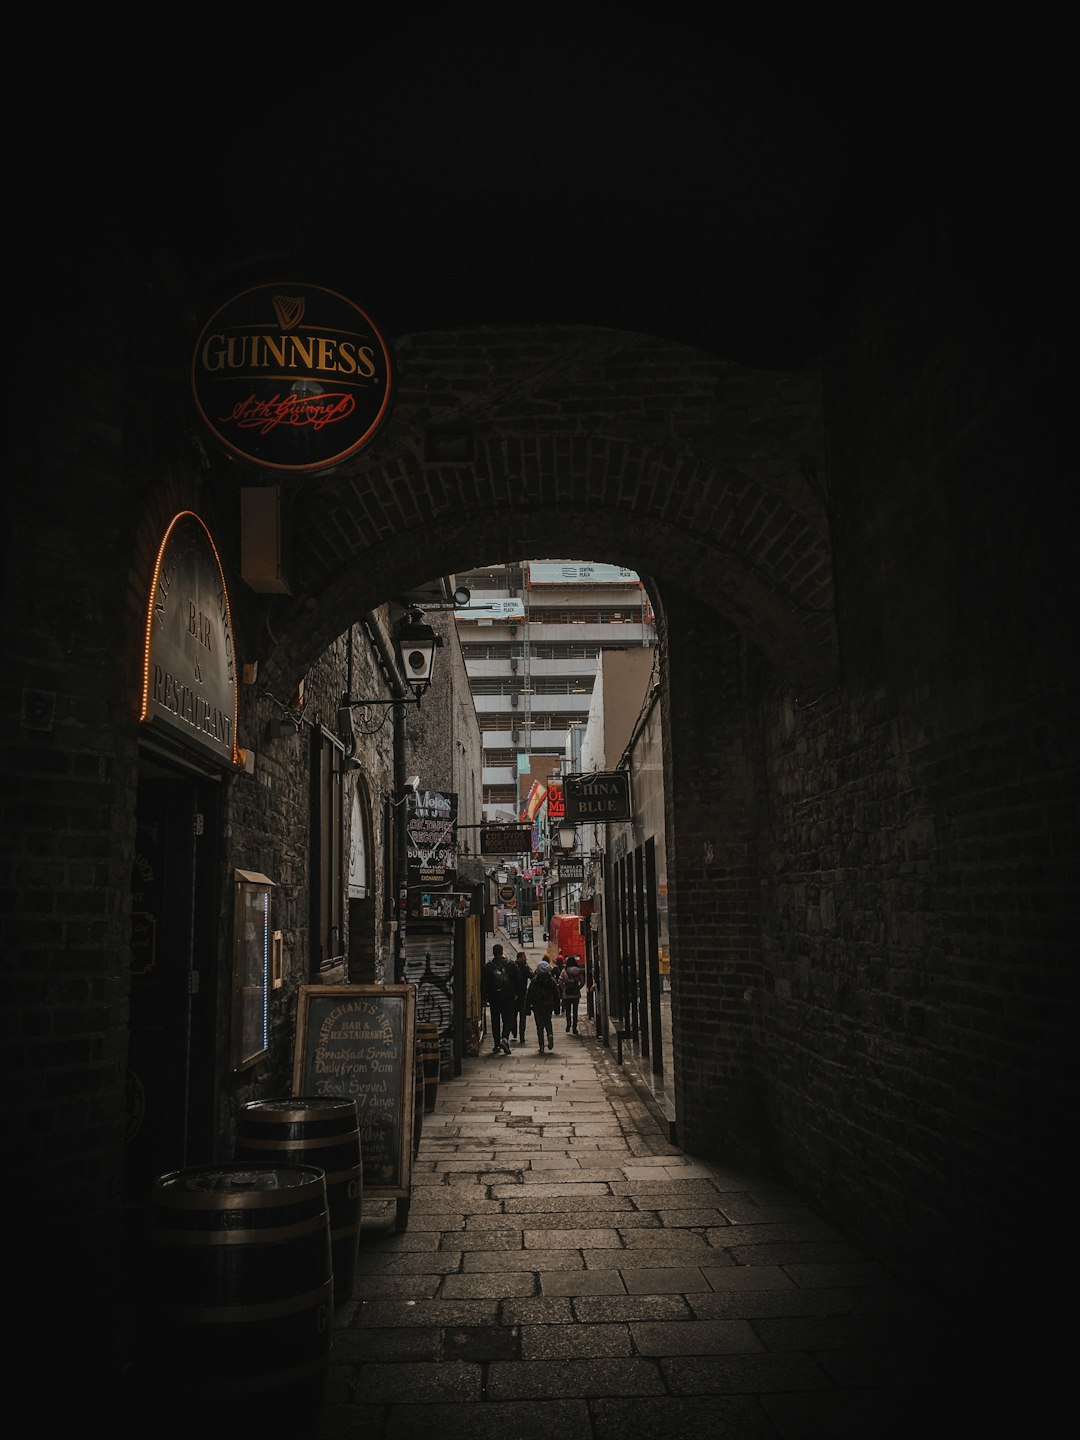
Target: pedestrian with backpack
{"x":557,"y":969}
{"x":542,"y":1000}
{"x":523,"y":973}
{"x":499,"y":992}
{"x":570,"y":982}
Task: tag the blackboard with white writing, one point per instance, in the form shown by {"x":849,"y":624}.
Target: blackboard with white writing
{"x":359,"y":1041}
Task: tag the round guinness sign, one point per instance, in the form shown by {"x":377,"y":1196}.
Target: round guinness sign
{"x":291,"y":377}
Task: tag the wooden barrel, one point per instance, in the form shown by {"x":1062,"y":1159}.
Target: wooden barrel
{"x":235,"y":1296}
{"x":428,"y":1032}
{"x":418,"y":1099}
{"x":431,"y":1061}
{"x":319,"y":1130}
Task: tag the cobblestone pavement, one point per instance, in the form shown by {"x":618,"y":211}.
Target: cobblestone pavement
{"x":565,"y":1269}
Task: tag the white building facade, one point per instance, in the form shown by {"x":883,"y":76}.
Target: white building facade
{"x":531,"y":637}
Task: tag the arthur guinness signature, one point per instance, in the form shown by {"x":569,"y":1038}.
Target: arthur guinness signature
{"x":291,"y":377}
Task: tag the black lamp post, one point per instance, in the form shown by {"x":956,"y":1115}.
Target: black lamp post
{"x":416,"y":644}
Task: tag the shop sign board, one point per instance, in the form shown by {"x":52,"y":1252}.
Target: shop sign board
{"x":189,"y":665}
{"x":598,"y":796}
{"x":505,"y":839}
{"x":431,"y":833}
{"x":359,"y":1041}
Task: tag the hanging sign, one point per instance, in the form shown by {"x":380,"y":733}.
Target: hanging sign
{"x":506,"y":839}
{"x":431,"y":839}
{"x":291,"y":377}
{"x":598,"y":796}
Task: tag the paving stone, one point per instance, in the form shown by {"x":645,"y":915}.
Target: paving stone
{"x":428,"y":1311}
{"x":674,"y":1242}
{"x":538,"y":1310}
{"x":582,"y":1341}
{"x":373,"y":1287}
{"x":694,"y":1337}
{"x":481,"y":1342}
{"x":593,"y":1309}
{"x":593,"y":1237}
{"x":832,"y":1332}
{"x":750,"y":1304}
{"x":354,"y":1347}
{"x":549,"y":1379}
{"x":701,"y":1215}
{"x":582,"y":1282}
{"x":795,"y":1252}
{"x":678,"y":1418}
{"x":746,"y":1277}
{"x":438,"y":1262}
{"x":411,"y":1380}
{"x":743,"y":1374}
{"x":860,"y":1272}
{"x":846,"y":1414}
{"x":501,"y":1239}
{"x":539,"y":1420}
{"x":476,"y":1286}
{"x":652,"y":1281}
{"x":512,"y":1261}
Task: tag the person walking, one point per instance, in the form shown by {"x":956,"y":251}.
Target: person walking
{"x":499,"y":993}
{"x":570,"y":982}
{"x":542,"y":1000}
{"x":558,"y":977}
{"x":523,"y":974}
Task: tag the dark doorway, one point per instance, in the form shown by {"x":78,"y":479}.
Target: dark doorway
{"x":170,"y":1078}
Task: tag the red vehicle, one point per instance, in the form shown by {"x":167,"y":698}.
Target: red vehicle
{"x":566,"y":937}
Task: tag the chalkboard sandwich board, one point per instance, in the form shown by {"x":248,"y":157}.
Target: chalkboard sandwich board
{"x":359,"y":1040}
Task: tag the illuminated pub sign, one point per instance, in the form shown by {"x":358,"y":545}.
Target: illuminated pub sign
{"x":291,"y":377}
{"x":189,"y":665}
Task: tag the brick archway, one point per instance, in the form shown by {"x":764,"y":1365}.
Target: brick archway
{"x":699,"y":474}
{"x":598,"y":444}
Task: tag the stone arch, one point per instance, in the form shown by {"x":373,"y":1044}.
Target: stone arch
{"x":511,"y":444}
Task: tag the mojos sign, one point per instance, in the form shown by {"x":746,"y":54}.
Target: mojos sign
{"x":601,"y":795}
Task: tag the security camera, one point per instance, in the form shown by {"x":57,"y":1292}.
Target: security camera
{"x":414,"y":784}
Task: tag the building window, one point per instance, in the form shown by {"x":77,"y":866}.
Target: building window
{"x":327,"y":850}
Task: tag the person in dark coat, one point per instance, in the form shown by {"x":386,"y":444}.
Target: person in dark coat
{"x":570,"y":986}
{"x":556,"y":974}
{"x":498,"y":990}
{"x":542,"y":1000}
{"x":523,"y":972}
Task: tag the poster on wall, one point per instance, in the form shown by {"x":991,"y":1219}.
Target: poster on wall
{"x":431,"y":840}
